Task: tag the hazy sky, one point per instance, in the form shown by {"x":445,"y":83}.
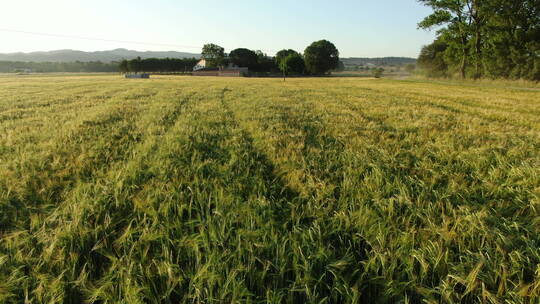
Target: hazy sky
{"x":359,"y":28}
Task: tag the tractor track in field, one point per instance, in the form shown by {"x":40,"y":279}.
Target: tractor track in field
{"x":314,"y":142}
{"x":452,"y":109}
{"x":123,"y":140}
{"x":58,"y":220}
{"x":286,"y":196}
{"x":229,"y":190}
{"x":20,"y":112}
{"x":290,"y":210}
{"x":312,"y":212}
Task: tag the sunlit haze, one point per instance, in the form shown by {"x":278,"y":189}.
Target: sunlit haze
{"x":358,"y":28}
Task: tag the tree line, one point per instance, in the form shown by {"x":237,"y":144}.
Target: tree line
{"x":155,"y":65}
{"x":483,"y":38}
{"x":319,"y":58}
{"x":58,"y":67}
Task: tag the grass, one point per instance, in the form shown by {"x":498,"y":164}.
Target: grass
{"x":483,"y":82}
{"x":320,"y":190}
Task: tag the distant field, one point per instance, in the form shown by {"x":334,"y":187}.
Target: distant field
{"x":228,"y":190}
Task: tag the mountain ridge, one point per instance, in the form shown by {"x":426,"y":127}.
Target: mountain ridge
{"x":69,"y":55}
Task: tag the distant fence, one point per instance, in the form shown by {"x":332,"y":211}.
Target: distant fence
{"x":205,"y":73}
{"x":239,"y":72}
{"x":143,"y":76}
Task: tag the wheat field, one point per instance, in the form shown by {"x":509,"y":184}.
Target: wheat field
{"x":245,"y":190}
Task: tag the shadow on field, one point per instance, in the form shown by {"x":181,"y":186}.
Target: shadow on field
{"x":311,"y":245}
{"x":86,"y":216}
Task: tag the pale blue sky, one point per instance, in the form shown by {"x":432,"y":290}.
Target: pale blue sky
{"x":359,"y":28}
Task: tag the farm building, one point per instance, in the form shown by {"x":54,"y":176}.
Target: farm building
{"x":200,"y":65}
{"x":227,"y":72}
{"x":201,"y":69}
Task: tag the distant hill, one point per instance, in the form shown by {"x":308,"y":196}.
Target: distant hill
{"x":384,"y":61}
{"x":103,"y":56}
{"x":119,"y":54}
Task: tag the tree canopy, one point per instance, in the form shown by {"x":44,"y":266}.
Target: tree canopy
{"x":486,"y":38}
{"x":244,"y":58}
{"x":53,"y":67}
{"x":213,"y":54}
{"x":321,"y":57}
{"x":283,"y":54}
{"x":157,"y":65}
{"x":265,"y":63}
{"x":292,"y":64}
{"x":432,"y":60}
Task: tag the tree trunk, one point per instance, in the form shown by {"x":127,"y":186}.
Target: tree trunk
{"x":463,"y":36}
{"x":477,"y":20}
{"x":478,"y":53}
{"x":463,"y":66}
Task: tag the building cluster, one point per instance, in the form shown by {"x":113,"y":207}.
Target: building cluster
{"x":202,"y":69}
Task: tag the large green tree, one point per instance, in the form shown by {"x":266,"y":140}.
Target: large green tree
{"x":283,"y":54}
{"x":265,"y":63}
{"x":213,"y":54}
{"x":292,"y":64}
{"x":432,"y":60}
{"x":493,"y":38}
{"x":457,"y":16}
{"x":321,"y":57}
{"x":244,"y":58}
{"x":512,"y":47}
